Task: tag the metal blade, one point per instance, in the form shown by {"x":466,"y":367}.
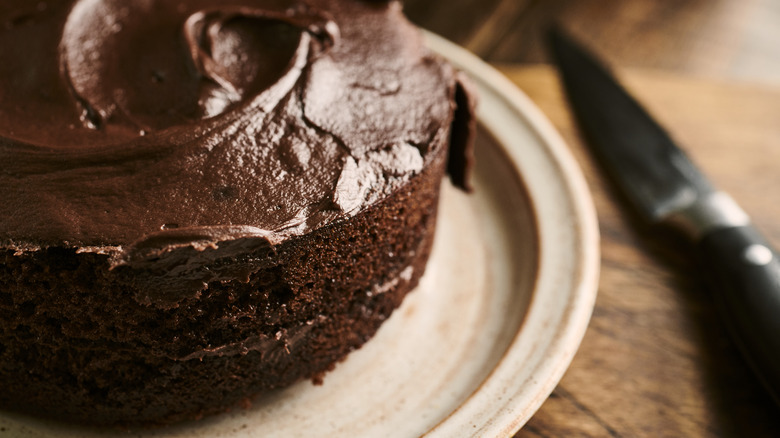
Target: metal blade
{"x":655,"y":175}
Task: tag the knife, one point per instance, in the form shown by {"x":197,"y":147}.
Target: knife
{"x":664,"y":187}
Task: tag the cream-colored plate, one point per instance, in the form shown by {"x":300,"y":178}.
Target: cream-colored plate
{"x":487,"y":335}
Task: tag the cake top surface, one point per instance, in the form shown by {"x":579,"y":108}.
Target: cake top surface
{"x":153,"y":119}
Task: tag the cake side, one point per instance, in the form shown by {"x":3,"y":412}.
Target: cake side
{"x":76,"y":345}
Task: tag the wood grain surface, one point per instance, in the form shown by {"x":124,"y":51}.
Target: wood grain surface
{"x":710,"y":38}
{"x":656,"y":360}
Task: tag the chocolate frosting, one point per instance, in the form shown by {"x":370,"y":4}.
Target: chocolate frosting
{"x":136,"y":128}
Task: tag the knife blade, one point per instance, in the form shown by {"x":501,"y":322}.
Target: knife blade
{"x":664,"y":187}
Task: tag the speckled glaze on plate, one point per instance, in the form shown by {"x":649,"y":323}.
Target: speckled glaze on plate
{"x":495,"y":322}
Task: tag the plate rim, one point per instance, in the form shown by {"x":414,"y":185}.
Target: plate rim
{"x":513,"y":409}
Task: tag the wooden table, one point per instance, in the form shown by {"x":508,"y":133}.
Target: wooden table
{"x":656,"y":360}
{"x":729,"y":39}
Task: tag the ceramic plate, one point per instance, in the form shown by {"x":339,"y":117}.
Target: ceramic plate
{"x":496,"y":320}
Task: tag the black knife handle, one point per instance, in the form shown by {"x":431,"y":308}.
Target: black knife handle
{"x":745,"y":274}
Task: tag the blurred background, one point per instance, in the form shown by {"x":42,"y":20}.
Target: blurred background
{"x":718,"y":39}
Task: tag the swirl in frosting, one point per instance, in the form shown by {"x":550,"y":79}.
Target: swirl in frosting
{"x":124,"y":123}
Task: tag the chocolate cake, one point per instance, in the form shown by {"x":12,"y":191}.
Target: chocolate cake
{"x":204,"y":200}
